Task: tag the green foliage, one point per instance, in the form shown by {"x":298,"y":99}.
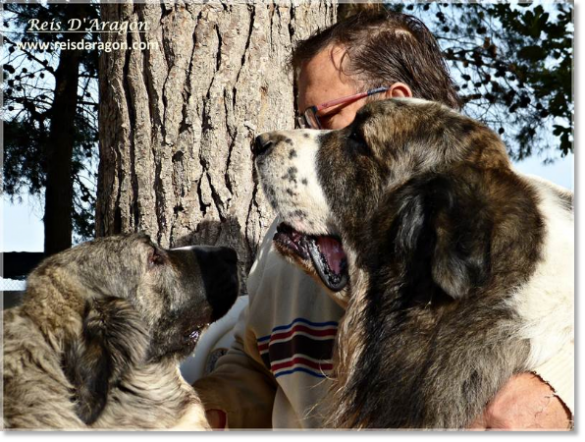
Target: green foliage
{"x":24,"y":157}
{"x":513,"y":65}
{"x":28,"y":100}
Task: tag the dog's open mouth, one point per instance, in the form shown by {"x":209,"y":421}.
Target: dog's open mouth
{"x":192,"y":335}
{"x":195,"y":334}
{"x":325,"y":252}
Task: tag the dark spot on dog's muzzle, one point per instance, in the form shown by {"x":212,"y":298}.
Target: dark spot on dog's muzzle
{"x":262,"y":144}
{"x":219,"y":268}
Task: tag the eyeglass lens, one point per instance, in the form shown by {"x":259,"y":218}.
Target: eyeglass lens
{"x":311,"y":118}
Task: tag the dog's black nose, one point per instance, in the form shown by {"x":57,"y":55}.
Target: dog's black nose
{"x":262,"y":144}
{"x":227,"y":255}
{"x":219,"y":269}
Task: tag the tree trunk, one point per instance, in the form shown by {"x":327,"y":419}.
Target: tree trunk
{"x":177,"y":120}
{"x":57,"y":219}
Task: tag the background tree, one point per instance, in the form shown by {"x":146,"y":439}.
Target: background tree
{"x":177,"y":119}
{"x":49,"y":119}
{"x":513,"y":64}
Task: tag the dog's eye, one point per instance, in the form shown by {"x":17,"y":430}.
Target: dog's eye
{"x":359,"y":142}
{"x":354,"y":135}
{"x":155,"y":259}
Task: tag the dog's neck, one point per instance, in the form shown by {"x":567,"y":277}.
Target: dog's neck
{"x":57,"y":307}
{"x":169,"y":394}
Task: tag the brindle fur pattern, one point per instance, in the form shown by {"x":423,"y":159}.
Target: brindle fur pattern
{"x":97,"y":339}
{"x":440,"y":233}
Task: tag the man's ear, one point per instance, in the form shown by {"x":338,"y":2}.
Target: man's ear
{"x":113,"y":339}
{"x":399,"y":90}
{"x":441,"y":236}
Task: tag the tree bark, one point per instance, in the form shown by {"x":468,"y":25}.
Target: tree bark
{"x":177,"y":120}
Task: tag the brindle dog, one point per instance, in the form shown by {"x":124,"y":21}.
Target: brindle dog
{"x":97,"y":340}
{"x":456,"y":271}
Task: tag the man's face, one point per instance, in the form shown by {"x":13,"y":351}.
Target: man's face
{"x":321,"y":80}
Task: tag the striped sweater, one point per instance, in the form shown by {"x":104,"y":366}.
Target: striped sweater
{"x":275,"y":373}
{"x":301,"y":345}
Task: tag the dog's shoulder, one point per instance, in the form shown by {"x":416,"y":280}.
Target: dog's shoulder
{"x":545,"y":302}
{"x":556,"y":195}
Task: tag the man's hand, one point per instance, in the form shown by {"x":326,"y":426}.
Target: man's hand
{"x":525,"y":402}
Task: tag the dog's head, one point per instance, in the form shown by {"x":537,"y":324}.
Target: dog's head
{"x":413,"y":210}
{"x":335,"y":190}
{"x":123,"y":300}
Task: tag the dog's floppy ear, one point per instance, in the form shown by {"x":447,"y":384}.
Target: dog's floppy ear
{"x":113,"y":338}
{"x":441,"y":231}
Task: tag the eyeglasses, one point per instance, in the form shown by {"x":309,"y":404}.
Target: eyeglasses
{"x":310,"y":120}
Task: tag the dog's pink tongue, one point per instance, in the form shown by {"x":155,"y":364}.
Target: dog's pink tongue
{"x":332,"y":251}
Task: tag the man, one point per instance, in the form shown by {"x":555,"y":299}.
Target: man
{"x":275,"y":374}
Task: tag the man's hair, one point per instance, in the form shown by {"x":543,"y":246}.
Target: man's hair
{"x":383,"y":48}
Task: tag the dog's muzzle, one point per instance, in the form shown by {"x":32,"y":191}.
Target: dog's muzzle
{"x":219,"y":271}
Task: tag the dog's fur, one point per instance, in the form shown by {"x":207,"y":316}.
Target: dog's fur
{"x":97,"y":340}
{"x":460,"y":270}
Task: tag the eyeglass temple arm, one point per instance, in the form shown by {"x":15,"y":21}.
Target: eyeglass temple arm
{"x":351,"y":97}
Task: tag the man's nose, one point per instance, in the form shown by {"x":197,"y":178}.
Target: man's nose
{"x":262,"y":144}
